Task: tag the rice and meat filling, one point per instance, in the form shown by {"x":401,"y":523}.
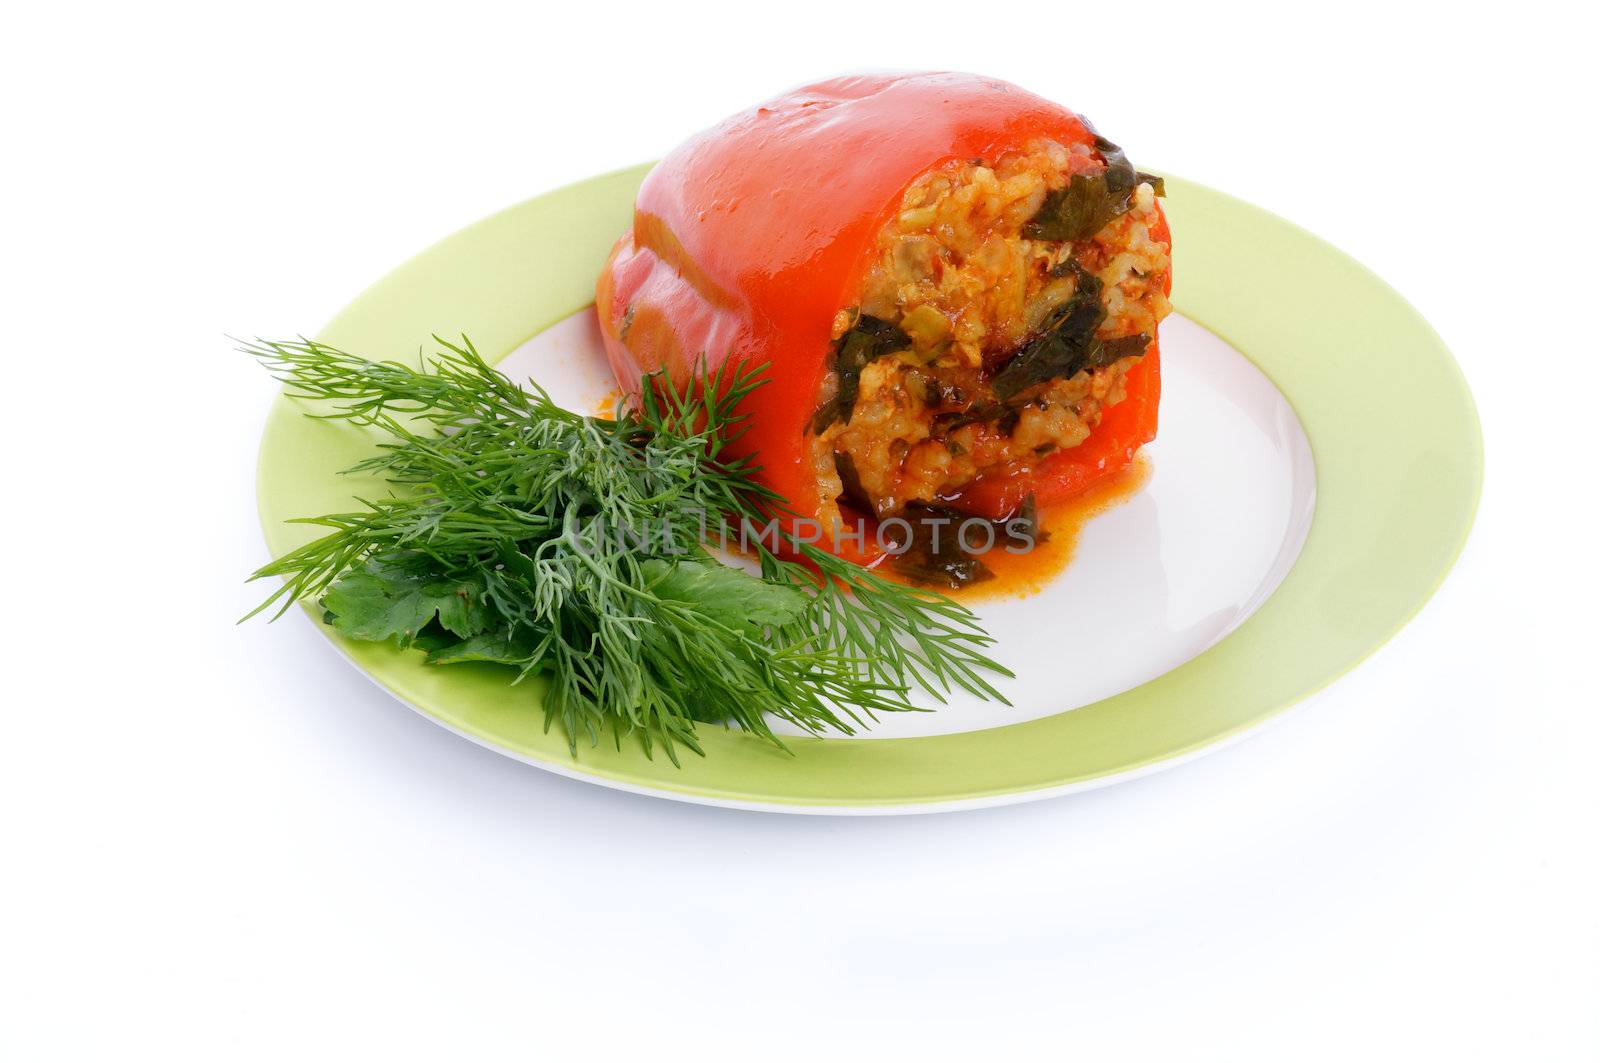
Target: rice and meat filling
{"x":1005,"y":308}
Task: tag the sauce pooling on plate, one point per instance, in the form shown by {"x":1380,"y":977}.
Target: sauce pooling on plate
{"x":1021,"y":575}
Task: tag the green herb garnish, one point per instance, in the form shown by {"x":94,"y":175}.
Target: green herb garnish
{"x":571,"y":547}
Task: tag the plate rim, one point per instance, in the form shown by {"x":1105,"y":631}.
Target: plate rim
{"x":484,"y":271}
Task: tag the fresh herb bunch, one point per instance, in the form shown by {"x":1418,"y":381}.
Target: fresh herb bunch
{"x":571,"y":547}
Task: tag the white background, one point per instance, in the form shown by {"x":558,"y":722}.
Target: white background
{"x":222,"y":843}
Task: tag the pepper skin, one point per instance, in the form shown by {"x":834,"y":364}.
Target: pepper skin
{"x":751,"y":236}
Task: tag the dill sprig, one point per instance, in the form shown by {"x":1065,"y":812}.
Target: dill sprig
{"x":572,"y":547}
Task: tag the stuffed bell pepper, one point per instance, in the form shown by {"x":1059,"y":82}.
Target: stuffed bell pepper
{"x":954,"y":286}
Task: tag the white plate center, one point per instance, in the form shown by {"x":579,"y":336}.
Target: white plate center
{"x":1154,"y":582}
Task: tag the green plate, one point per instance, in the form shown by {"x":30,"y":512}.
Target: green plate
{"x":1398,"y":472}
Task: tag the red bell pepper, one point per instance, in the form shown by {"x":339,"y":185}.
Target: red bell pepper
{"x":750,"y":237}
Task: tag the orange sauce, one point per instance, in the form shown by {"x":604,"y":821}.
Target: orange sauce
{"x":606,"y":408}
{"x":1024,"y":574}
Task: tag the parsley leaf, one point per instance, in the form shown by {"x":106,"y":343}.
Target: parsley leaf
{"x":395,"y":599}
{"x":725,"y":594}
